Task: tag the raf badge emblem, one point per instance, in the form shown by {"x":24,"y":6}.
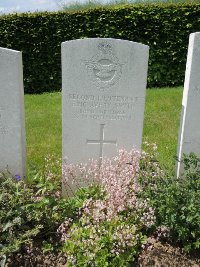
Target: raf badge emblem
{"x":104,"y":68}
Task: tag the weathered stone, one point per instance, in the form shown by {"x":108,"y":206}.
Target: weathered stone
{"x":189,"y":133}
{"x":12,"y":126}
{"x":103,"y":97}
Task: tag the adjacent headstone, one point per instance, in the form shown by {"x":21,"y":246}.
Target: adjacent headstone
{"x":189,"y":133}
{"x":12,"y":126}
{"x":103,"y":97}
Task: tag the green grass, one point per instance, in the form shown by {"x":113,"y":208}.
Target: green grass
{"x":161,"y":123}
{"x":43,"y":125}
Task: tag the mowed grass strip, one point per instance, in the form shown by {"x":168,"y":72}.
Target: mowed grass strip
{"x":43,"y":125}
{"x":161,"y":122}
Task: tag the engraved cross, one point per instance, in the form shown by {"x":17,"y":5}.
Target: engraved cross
{"x":101,"y":141}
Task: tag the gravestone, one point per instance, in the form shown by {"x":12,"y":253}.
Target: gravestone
{"x":103,"y":97}
{"x":189,"y":132}
{"x":12,"y":126}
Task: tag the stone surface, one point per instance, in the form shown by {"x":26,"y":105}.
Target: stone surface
{"x":189,"y":132}
{"x":103,"y":97}
{"x":12,"y":126}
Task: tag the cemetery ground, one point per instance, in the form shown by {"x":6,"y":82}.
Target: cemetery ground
{"x":45,"y":212}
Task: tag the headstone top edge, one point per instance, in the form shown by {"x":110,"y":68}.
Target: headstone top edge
{"x":104,"y":39}
{"x":194,"y":33}
{"x":193,"y":38}
{"x":10,"y":50}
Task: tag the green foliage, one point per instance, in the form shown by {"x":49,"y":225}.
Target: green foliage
{"x":33,"y":211}
{"x":177,"y":203}
{"x":95,"y":245}
{"x":164,"y":27}
{"x":29,"y":211}
{"x":18,"y":224}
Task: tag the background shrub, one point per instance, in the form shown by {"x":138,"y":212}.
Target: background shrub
{"x":164,"y":27}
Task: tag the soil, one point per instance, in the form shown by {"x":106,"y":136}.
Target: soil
{"x":160,"y":255}
{"x":165,"y":255}
{"x":36,"y":259}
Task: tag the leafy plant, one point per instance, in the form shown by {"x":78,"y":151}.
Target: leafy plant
{"x":28,"y":210}
{"x":31,"y":211}
{"x":19,"y":223}
{"x":177,"y":203}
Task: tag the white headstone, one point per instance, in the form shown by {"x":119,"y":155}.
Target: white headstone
{"x":103,"y":97}
{"x":12,"y":126}
{"x":189,"y":133}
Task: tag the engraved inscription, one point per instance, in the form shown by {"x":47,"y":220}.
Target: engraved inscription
{"x":104,"y":68}
{"x":101,"y":142}
{"x":101,"y":107}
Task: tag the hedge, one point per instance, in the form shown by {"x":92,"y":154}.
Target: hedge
{"x":164,"y":27}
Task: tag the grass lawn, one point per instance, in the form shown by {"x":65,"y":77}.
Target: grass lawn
{"x":43,"y":125}
{"x":162,"y":120}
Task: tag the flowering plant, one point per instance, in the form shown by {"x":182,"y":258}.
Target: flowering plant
{"x":110,"y":227}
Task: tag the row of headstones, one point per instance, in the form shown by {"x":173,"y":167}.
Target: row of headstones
{"x":103,"y":99}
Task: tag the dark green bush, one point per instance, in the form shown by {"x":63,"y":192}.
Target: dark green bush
{"x":165,"y":28}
